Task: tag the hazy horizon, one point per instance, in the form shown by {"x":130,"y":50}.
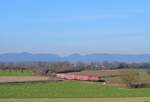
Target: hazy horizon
{"x":75,"y":53}
{"x":80,"y":26}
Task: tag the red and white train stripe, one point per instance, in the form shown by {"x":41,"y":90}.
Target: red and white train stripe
{"x":77,"y":77}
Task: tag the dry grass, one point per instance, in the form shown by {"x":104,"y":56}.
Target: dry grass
{"x":79,"y":100}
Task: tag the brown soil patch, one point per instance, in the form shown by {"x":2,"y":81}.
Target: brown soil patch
{"x":22,"y":79}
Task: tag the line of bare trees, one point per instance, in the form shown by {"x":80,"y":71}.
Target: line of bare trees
{"x":44,"y":68}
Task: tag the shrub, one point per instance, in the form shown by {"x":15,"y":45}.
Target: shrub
{"x":129,"y":77}
{"x":148,"y":72}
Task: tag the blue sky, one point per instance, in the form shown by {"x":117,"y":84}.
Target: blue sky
{"x":75,"y":26}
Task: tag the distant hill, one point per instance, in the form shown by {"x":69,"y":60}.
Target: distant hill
{"x":28,"y":57}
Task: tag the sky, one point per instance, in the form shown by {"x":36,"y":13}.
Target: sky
{"x":75,"y":26}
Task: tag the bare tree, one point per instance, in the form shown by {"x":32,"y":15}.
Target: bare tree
{"x":40,"y":69}
{"x":60,"y":67}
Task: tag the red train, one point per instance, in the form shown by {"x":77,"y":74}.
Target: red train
{"x":77,"y":77}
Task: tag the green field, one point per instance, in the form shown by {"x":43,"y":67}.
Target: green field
{"x":68,"y":89}
{"x":15,"y":73}
{"x":145,"y":99}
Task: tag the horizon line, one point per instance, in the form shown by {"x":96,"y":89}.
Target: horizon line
{"x":76,"y":53}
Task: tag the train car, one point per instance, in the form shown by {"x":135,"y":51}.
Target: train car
{"x":77,"y":77}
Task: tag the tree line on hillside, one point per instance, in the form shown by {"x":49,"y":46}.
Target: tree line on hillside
{"x":46,"y":68}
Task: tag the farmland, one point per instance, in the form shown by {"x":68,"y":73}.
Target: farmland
{"x":112,"y":77}
{"x":14,"y":73}
{"x":68,"y":89}
{"x":137,"y":99}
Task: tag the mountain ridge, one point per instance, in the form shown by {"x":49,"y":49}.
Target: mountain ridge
{"x":97,"y":57}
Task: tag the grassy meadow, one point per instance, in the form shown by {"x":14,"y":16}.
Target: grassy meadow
{"x":71,"y":89}
{"x":15,"y":73}
{"x":68,"y":89}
